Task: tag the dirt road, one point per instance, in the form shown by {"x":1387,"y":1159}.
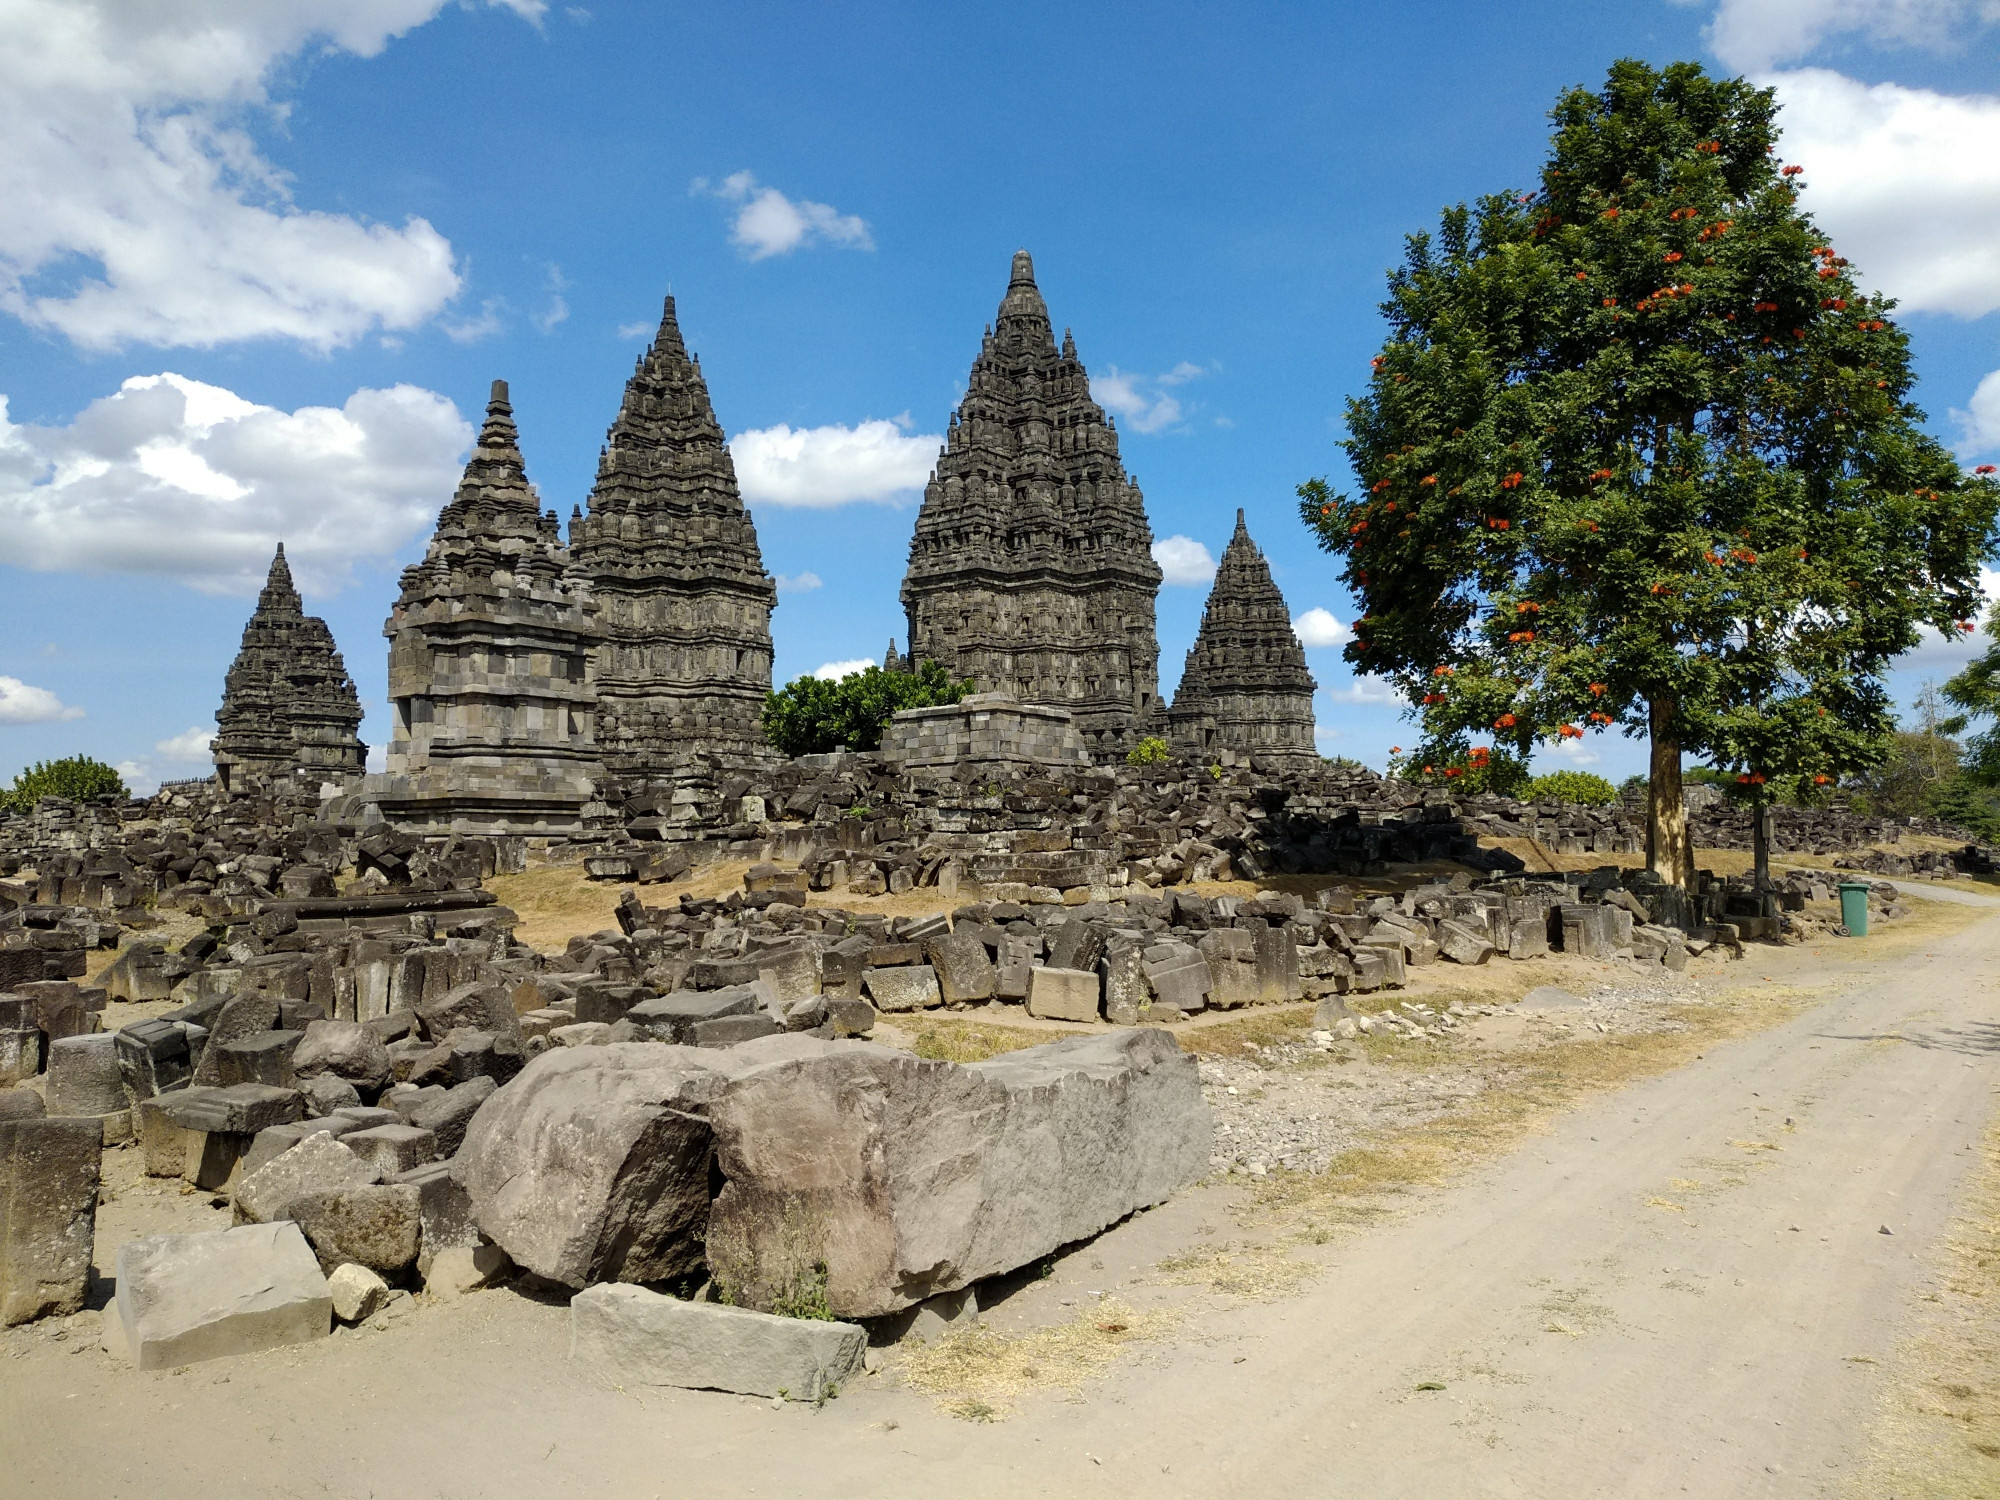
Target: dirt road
{"x":1685,"y":1287}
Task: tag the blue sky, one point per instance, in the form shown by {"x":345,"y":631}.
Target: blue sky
{"x":260,"y":261}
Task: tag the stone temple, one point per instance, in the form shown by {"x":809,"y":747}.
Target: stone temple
{"x":289,"y":708}
{"x":1245,"y":689}
{"x":1031,"y":570}
{"x":490,"y":662}
{"x":671,"y":556}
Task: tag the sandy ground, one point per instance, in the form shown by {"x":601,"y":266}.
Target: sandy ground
{"x":1681,"y":1286}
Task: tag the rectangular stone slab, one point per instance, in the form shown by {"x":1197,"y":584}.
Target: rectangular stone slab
{"x":642,"y":1337}
{"x":183,"y":1298}
{"x":48,"y":1215}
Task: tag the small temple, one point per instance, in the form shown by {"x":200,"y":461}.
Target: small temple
{"x":289,"y":709}
{"x":1245,"y":688}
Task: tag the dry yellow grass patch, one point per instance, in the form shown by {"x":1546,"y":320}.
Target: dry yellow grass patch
{"x":979,"y":1373}
{"x":947,"y":1039}
{"x":1258,"y":1271}
{"x":556,"y":903}
{"x":1938,"y":1434}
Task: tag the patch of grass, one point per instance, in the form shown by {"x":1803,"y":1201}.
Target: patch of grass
{"x":1260,"y":1272}
{"x":979,"y":1374}
{"x":558,"y":902}
{"x":1938,"y":1432}
{"x":1264,"y":1026}
{"x":944,"y":1040}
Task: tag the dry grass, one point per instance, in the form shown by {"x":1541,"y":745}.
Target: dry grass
{"x":947,"y":1039}
{"x":979,"y":1373}
{"x":1938,"y":1434}
{"x":1260,"y":1271}
{"x":1231,"y":1033}
{"x":556,"y":903}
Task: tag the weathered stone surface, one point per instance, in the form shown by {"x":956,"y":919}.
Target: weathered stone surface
{"x":477,"y":1005}
{"x":671,"y":1018}
{"x":1180,"y":978}
{"x":671,"y":555}
{"x":1245,"y":688}
{"x":910,"y":987}
{"x":444,"y":1211}
{"x":1461,"y":944}
{"x":593,"y":1165}
{"x":466,"y":1268}
{"x":21,"y":1104}
{"x":153,"y":1057}
{"x":732,"y":1031}
{"x":289,"y":709}
{"x":1128,"y":994}
{"x":1031,"y":568}
{"x":83,"y":1076}
{"x":240,"y":1016}
{"x":377,"y":1225}
{"x":345,"y":1049}
{"x":641,"y":1337}
{"x":447,"y":1116}
{"x":907,"y":1178}
{"x":964,"y":972}
{"x":183,"y":1298}
{"x":357,"y":1292}
{"x":1063,"y":995}
{"x":317,"y":1164}
{"x":48,"y":1214}
{"x":20,"y":1054}
{"x":391,"y":1149}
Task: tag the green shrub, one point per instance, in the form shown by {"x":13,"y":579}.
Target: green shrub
{"x":1578,"y":787}
{"x":810,"y":716}
{"x":1151,"y":751}
{"x":1475,"y":772}
{"x":79,"y":778}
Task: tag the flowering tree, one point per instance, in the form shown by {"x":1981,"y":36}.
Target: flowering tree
{"x":1638,"y":454}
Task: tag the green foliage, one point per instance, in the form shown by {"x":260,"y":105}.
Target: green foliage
{"x":1578,"y":787}
{"x":1634,"y":786}
{"x":1638,"y":454}
{"x":810,"y":716}
{"x":1910,"y":775}
{"x":1151,"y":751}
{"x":1967,"y":802}
{"x":1474,"y":772}
{"x":78,"y":777}
{"x":1975,"y":692}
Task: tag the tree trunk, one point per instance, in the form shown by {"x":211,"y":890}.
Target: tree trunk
{"x":1669,"y":852}
{"x":1760,"y":841}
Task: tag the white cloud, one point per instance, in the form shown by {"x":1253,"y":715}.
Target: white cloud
{"x":190,"y":744}
{"x":1576,"y":752}
{"x":1184,"y":562}
{"x":1367,"y":689}
{"x":833,"y":671}
{"x":643,"y":329}
{"x":1905,"y":181}
{"x":1758,"y":34}
{"x":1981,"y":423}
{"x":22,"y":703}
{"x":378,"y":758}
{"x":556,"y":309}
{"x":470,"y":330}
{"x":138,"y":777}
{"x":768,"y":223}
{"x":1145,"y":402}
{"x":1318,"y":627}
{"x":798,"y":583}
{"x":170,"y":476}
{"x":140,"y":208}
{"x":818,"y":467}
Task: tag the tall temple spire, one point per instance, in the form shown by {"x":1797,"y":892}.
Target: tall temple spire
{"x":1031,"y":566}
{"x":289,"y":709}
{"x":1245,"y":688}
{"x":672,"y":558}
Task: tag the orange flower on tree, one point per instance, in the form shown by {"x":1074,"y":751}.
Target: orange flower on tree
{"x":1505,"y":721}
{"x":1569,"y":732}
{"x":1512,"y":481}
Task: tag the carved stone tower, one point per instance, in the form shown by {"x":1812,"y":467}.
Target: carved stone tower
{"x":288,"y":705}
{"x":671,"y":556}
{"x":1031,"y":571}
{"x":1245,"y":688}
{"x":490,"y":669}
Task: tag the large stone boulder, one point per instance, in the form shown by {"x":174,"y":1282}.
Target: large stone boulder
{"x":345,"y":1049}
{"x":48,"y":1215}
{"x":893,"y":1179}
{"x":189,"y":1297}
{"x":643,"y":1338}
{"x":317,"y":1164}
{"x":593,"y":1165}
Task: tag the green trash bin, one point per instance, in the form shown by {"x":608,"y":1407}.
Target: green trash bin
{"x":1854,"y":907}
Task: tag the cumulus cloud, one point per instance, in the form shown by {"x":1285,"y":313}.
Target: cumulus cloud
{"x":1145,"y":402}
{"x":1981,"y":421}
{"x":174,"y":477}
{"x":768,"y":223}
{"x":1367,"y":689}
{"x":138,"y":777}
{"x":1576,"y":752}
{"x":1318,"y":627}
{"x":1907,"y":182}
{"x":833,"y":671}
{"x":141,"y":210}
{"x":1184,"y":562}
{"x":190,"y":744}
{"x":1754,"y":35}
{"x":23,"y":703}
{"x":798,"y":583}
{"x":819,"y":467}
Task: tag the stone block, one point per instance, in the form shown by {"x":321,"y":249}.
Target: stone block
{"x":466,"y":1268}
{"x":478,"y":1005}
{"x":317,"y":1164}
{"x":950,"y":1174}
{"x":1128,"y":994}
{"x":20,"y":1054}
{"x":357,"y":1292}
{"x":672,"y":1018}
{"x":239,"y":1016}
{"x":444,"y":1212}
{"x":1460,"y":943}
{"x":1075,"y":945}
{"x":264,"y":1058}
{"x":83,"y":1076}
{"x":1590,"y":931}
{"x":638,"y":1337}
{"x":964,"y":973}
{"x":1528,"y":937}
{"x":1277,"y":965}
{"x":345,"y":1049}
{"x":391,"y":1149}
{"x":447,"y":1115}
{"x":728,"y":1031}
{"x":850,"y":1017}
{"x":377,"y":1226}
{"x":1231,"y":955}
{"x":912,"y":987}
{"x":267,"y":1145}
{"x":1063,"y":995}
{"x":189,"y":1297}
{"x":48,"y":1215}
{"x":1180,"y":979}
{"x":153,"y":1057}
